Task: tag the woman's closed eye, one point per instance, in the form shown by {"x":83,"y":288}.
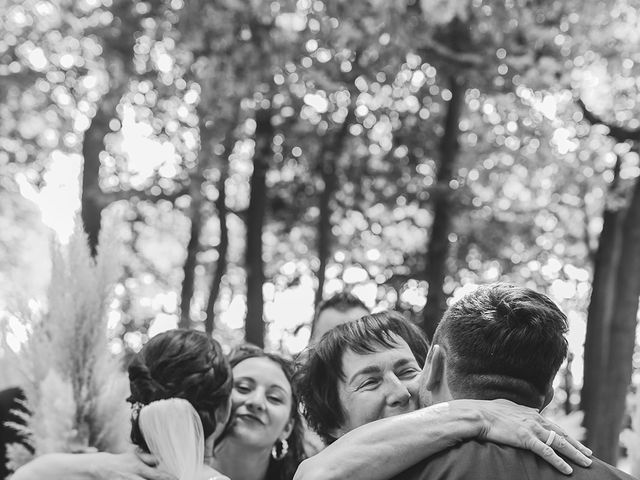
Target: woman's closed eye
{"x":242,"y":387}
{"x":369,"y":383}
{"x":275,"y":399}
{"x":409,"y":372}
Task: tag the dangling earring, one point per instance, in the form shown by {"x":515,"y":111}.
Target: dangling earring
{"x":283,"y":450}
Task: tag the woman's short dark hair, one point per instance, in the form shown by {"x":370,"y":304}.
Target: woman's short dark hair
{"x":285,"y":468}
{"x":180,"y":364}
{"x":320,"y":366}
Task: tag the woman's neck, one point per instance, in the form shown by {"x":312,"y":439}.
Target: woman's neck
{"x":240,"y":462}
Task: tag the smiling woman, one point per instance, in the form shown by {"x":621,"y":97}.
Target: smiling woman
{"x":362,"y":371}
{"x":263,"y":440}
{"x":378,"y":385}
{"x":262,"y":402}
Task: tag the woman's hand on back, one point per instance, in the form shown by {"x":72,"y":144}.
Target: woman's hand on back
{"x":128,"y":466}
{"x":94,"y":466}
{"x":508,"y":423}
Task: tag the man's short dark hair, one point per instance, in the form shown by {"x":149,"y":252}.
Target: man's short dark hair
{"x":503,"y":341}
{"x":342,"y":302}
{"x":321,"y":367}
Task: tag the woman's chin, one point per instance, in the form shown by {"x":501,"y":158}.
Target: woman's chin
{"x":247,"y":431}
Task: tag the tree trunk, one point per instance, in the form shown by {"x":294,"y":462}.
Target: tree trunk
{"x":597,"y":340}
{"x":90,"y":199}
{"x":436,"y":264}
{"x":195,"y":193}
{"x":189,"y":267}
{"x":613,"y":393}
{"x":567,"y":378}
{"x":118,"y":51}
{"x":330,"y":181}
{"x":610,"y":339}
{"x":223,"y":247}
{"x":329,"y":158}
{"x":254,"y":323}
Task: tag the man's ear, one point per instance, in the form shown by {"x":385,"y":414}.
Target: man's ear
{"x":435,"y":367}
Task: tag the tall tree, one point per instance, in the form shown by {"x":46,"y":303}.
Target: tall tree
{"x":331,"y":150}
{"x":622,"y":338}
{"x":193,"y":245}
{"x":613,"y":310}
{"x":438,"y":251}
{"x":118,"y":42}
{"x":469,"y":50}
{"x":222,"y":211}
{"x":599,"y":315}
{"x":254,"y":324}
{"x":223,"y":248}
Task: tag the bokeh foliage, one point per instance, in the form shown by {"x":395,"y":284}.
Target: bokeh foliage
{"x":337,"y":118}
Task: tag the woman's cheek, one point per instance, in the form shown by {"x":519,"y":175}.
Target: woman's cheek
{"x":413,"y":386}
{"x":282,"y":415}
{"x":236,"y":400}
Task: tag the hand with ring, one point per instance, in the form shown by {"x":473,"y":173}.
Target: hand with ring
{"x":511,"y":424}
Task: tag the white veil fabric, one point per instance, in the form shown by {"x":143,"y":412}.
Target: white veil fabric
{"x":173,"y":432}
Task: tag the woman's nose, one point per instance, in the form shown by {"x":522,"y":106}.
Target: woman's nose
{"x":398,"y":393}
{"x":256,"y":400}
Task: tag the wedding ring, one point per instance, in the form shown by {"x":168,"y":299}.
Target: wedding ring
{"x":552,"y":436}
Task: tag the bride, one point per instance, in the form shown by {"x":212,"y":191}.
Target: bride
{"x":180,"y":391}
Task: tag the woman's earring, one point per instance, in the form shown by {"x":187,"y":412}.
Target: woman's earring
{"x":283,"y":450}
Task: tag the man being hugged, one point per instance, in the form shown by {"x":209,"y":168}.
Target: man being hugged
{"x":360,"y":388}
{"x":498,"y":342}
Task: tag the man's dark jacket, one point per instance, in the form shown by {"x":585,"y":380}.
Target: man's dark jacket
{"x":481,"y":460}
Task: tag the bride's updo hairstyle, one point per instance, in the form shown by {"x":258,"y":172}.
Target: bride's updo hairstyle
{"x":184,"y":364}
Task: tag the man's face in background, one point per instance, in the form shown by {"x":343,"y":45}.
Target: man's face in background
{"x":331,"y":317}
